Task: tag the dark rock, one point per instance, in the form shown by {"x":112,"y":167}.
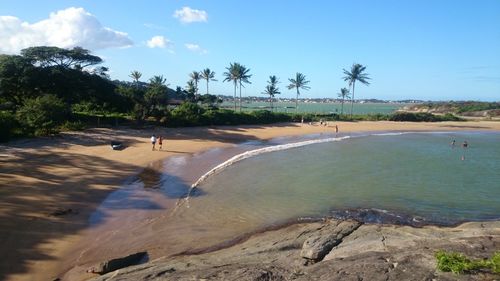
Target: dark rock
{"x":114,"y":264}
{"x":62,"y":212}
{"x":316,"y":247}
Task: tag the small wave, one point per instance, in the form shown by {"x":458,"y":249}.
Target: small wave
{"x":259,"y":151}
{"x":391,"y":134}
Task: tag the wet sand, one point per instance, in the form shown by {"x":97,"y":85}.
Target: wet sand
{"x":50,"y":186}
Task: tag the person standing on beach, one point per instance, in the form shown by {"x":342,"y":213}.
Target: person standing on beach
{"x":160,"y":142}
{"x":336,"y":129}
{"x":153,"y":141}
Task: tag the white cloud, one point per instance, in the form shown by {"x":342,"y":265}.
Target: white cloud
{"x":154,"y":26}
{"x":188,"y":15}
{"x":65,"y":29}
{"x":158,"y":42}
{"x":195,"y":48}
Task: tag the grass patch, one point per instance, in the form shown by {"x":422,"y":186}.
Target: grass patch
{"x":458,"y":263}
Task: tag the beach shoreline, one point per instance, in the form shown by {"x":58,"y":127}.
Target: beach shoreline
{"x":52,"y":185}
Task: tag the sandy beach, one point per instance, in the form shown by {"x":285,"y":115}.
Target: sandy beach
{"x":50,"y":186}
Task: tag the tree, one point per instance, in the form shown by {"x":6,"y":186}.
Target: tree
{"x":43,"y":114}
{"x":243,"y":77}
{"x":208,"y":75}
{"x":77,"y":58}
{"x":191,"y":91}
{"x":195,"y":77}
{"x":356,"y":74}
{"x":298,"y":83}
{"x":18,"y":80}
{"x":232,"y":75}
{"x":135,"y":75}
{"x":156,"y":96}
{"x":344,"y":93}
{"x":272,"y":89}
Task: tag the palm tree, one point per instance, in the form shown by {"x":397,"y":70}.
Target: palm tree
{"x":158,"y":80}
{"x":356,"y":74}
{"x":136,"y":75}
{"x":195,"y":77}
{"x":208,"y":75}
{"x":243,"y":77}
{"x":298,"y":83}
{"x":156,"y":95}
{"x":344,"y":93}
{"x":272,"y":89}
{"x":232,"y":74}
{"x":191,"y":90}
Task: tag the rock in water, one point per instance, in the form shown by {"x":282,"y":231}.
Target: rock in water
{"x":114,"y":264}
{"x":316,"y":247}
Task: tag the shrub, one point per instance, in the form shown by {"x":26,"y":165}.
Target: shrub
{"x":187,"y":114}
{"x":422,"y":117}
{"x":267,"y":117}
{"x":495,"y":263}
{"x":454,"y":262}
{"x":73,"y":126}
{"x":8,"y":123}
{"x":459,"y":263}
{"x":42,"y":115}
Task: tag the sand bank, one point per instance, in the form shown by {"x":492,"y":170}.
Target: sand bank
{"x":50,"y":186}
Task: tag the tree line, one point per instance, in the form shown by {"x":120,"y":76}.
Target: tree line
{"x":43,"y":88}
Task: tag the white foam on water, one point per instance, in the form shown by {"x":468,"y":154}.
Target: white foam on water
{"x":390,"y":134}
{"x":259,"y":151}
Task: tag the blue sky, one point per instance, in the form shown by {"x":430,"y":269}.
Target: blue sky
{"x":437,"y":50}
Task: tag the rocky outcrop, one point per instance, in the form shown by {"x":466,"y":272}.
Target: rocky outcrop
{"x":364,"y":252}
{"x":117,"y":263}
{"x":320,"y":243}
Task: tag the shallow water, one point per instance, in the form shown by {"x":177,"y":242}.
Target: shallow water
{"x":416,"y":174}
{"x":412,"y":178}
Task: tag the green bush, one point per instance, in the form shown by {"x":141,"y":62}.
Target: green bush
{"x":187,"y":114}
{"x":458,"y":263}
{"x":495,"y":262}
{"x":73,"y":126}
{"x":222,"y":117}
{"x":267,"y":117}
{"x":42,"y":115}
{"x":8,"y":123}
{"x":422,"y":117}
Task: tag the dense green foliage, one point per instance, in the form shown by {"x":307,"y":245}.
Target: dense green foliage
{"x":422,"y":117}
{"x":458,"y":263}
{"x":8,"y":123}
{"x":458,"y":107}
{"x":42,"y":115}
{"x":190,"y":114}
{"x":476,"y":106}
{"x":48,"y":89}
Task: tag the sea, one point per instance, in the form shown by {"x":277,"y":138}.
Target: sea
{"x":323,"y":108}
{"x":407,"y":178}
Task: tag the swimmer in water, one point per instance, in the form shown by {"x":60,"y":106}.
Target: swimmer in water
{"x":464,"y":146}
{"x":452,"y":144}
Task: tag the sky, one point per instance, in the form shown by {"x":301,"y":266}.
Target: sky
{"x":415,"y":49}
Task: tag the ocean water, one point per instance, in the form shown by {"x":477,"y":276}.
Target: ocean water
{"x":415,"y":177}
{"x":365,"y":108}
